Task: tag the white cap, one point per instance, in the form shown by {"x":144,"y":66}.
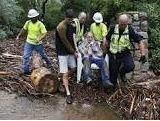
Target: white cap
{"x":32,"y":13}
{"x":97,"y":17}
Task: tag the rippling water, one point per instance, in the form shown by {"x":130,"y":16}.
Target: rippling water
{"x":13,"y":107}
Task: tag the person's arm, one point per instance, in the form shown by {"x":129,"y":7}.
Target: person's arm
{"x":41,"y":37}
{"x":138,"y":39}
{"x":62,"y":33}
{"x":91,"y":28}
{"x":43,"y":32}
{"x":108,"y":38}
{"x":104,"y":31}
{"x":22,"y":31}
{"x":142,"y":48}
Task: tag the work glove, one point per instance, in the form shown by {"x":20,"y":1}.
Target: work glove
{"x":142,"y":59}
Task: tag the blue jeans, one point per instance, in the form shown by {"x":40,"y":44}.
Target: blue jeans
{"x":100,"y":62}
{"x":28,"y":50}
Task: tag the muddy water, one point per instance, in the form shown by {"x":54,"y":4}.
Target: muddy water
{"x":15,"y":108}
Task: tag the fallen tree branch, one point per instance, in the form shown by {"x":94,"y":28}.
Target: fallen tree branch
{"x":113,"y":95}
{"x":5,"y":73}
{"x":147,"y":83}
{"x":11,"y":56}
{"x":132,"y":104}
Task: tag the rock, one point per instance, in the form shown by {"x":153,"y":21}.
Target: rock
{"x":144,"y":26}
{"x":136,"y":17}
{"x":129,"y":75}
{"x":143,"y":14}
{"x":136,"y":23}
{"x":137,"y":65}
{"x":144,"y":34}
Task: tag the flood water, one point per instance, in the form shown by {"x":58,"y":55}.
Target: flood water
{"x":15,"y":108}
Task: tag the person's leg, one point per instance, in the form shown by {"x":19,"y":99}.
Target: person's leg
{"x":40,"y":50}
{"x":113,"y":69}
{"x":63,"y":67}
{"x":127,"y":65}
{"x":28,"y":49}
{"x":100,"y":62}
{"x":87,"y":69}
{"x":71,"y":65}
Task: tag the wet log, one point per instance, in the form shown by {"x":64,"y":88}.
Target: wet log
{"x":44,"y":80}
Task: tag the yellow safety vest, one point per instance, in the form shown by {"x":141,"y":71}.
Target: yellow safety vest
{"x":121,"y":44}
{"x":79,"y":30}
{"x":98,"y":31}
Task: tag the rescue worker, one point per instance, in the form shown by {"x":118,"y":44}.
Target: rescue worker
{"x":92,"y":53}
{"x":118,"y":41}
{"x":98,"y":28}
{"x":80,"y":28}
{"x":36,"y":31}
{"x":66,"y":50}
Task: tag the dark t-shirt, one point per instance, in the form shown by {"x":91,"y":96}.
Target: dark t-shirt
{"x":60,"y":47}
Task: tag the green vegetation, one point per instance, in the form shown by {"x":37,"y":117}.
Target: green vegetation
{"x":13,"y":15}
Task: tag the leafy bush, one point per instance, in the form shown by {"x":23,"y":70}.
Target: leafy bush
{"x":9,"y":14}
{"x":53,"y":15}
{"x":3,"y":34}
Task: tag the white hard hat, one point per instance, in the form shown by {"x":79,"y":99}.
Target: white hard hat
{"x":32,"y":13}
{"x":97,"y":17}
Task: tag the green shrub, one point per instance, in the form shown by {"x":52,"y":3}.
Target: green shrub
{"x":9,"y":14}
{"x":3,"y":34}
{"x":53,"y":15}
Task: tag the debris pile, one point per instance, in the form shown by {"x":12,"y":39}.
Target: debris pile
{"x":138,"y":99}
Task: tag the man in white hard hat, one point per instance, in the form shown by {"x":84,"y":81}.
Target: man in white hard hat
{"x":119,"y":44}
{"x":98,"y":28}
{"x":36,"y":31}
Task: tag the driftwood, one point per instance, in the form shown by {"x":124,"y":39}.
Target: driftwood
{"x":147,"y":83}
{"x":132,"y":101}
{"x":5,"y":73}
{"x":132,"y":104}
{"x":11,"y":56}
{"x":44,"y":81}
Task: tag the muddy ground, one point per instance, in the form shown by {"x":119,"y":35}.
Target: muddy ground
{"x":138,"y":99}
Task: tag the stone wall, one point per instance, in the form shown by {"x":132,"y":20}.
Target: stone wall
{"x":138,"y":21}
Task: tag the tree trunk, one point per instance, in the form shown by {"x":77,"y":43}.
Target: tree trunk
{"x":44,"y":81}
{"x":43,"y":10}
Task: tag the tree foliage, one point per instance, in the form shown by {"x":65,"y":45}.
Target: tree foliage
{"x":9,"y":13}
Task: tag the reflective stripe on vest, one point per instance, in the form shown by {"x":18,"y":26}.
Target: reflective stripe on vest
{"x":121,"y":44}
{"x":79,"y":31}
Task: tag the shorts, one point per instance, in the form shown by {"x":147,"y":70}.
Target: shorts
{"x":66,"y":62}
